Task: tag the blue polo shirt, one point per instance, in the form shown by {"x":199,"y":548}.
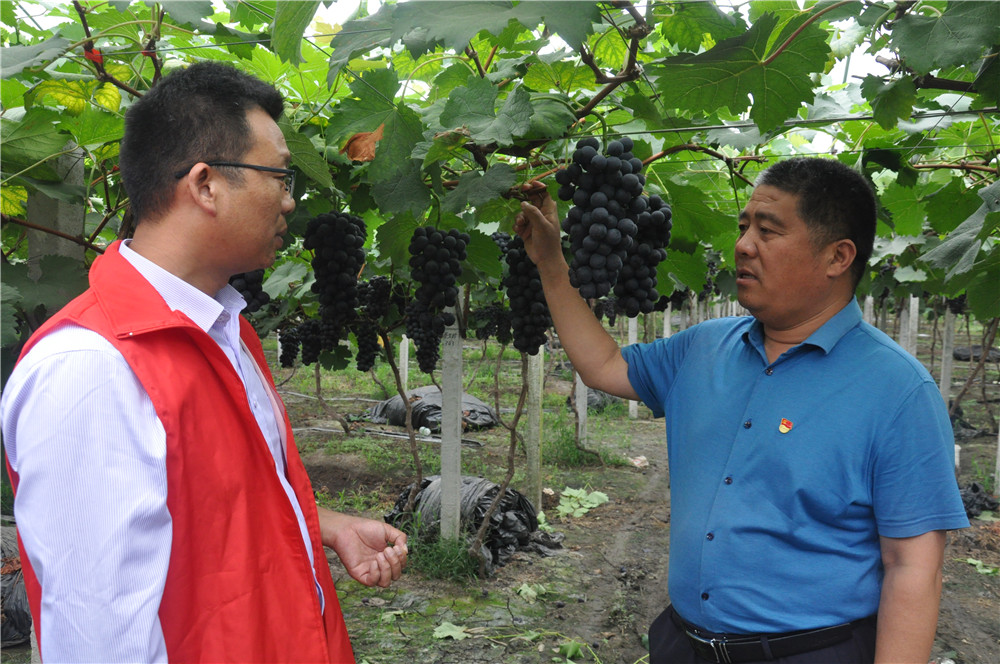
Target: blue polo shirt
{"x":783,"y":475}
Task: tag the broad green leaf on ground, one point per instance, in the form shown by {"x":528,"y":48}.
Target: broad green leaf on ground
{"x":305,"y":156}
{"x":447,"y":630}
{"x":474,"y":107}
{"x":475,"y":188}
{"x":734,"y":70}
{"x":283,"y":276}
{"x":18,"y":58}
{"x":960,"y":34}
{"x":890,"y":99}
{"x":907,"y":208}
{"x":11,"y":297}
{"x":685,"y":24}
{"x":291,"y":18}
{"x":406,"y":192}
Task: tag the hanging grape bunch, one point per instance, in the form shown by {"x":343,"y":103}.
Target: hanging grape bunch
{"x":636,"y":287}
{"x":605,"y":189}
{"x":436,"y":258}
{"x":492,"y":320}
{"x":337,"y":241}
{"x":617,"y":235}
{"x":529,"y":313}
{"x":251,"y":287}
{"x":374,"y":297}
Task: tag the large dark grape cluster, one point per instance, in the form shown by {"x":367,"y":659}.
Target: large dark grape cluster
{"x":493,"y":320}
{"x":529,"y":313}
{"x":251,"y":287}
{"x":606,"y":190}
{"x":288,"y":347}
{"x":635,"y":290}
{"x":436,"y":258}
{"x":337,"y":241}
{"x":374,"y":297}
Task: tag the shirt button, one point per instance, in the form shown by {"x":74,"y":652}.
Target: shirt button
{"x":704,"y":595}
{"x":769,"y":371}
{"x":747,"y":424}
{"x":710,"y":536}
{"x":728,"y":480}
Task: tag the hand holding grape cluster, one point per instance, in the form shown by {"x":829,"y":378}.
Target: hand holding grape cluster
{"x":617,"y":235}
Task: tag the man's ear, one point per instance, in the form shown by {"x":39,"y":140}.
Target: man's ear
{"x":201,"y":187}
{"x":842,"y":254}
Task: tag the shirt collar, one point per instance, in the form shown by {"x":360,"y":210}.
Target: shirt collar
{"x":181,"y":296}
{"x":826,"y":337}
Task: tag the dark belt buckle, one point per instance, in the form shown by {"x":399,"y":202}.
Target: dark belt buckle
{"x":718,"y":646}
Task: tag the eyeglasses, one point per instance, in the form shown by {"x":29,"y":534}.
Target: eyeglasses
{"x":288,"y":180}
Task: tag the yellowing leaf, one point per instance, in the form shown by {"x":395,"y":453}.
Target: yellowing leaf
{"x":13,"y":200}
{"x":108,"y":96}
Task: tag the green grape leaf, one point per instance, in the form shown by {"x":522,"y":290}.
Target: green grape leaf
{"x":291,"y":18}
{"x":958,"y":35}
{"x":18,"y":58}
{"x":283,"y":276}
{"x":474,"y":107}
{"x":30,"y":141}
{"x":484,"y":255}
{"x":400,"y":134}
{"x":734,"y":69}
{"x":392,"y":239}
{"x":982,"y":291}
{"x":475,"y":188}
{"x":685,"y":268}
{"x":404,"y":193}
{"x":890,"y":100}
{"x":188,"y":12}
{"x":549,"y":118}
{"x":685,"y":24}
{"x":93,"y":128}
{"x":907,"y":208}
{"x":948,"y":206}
{"x":305,"y":156}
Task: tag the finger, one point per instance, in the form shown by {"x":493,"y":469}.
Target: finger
{"x":384,"y":570}
{"x":395,"y":563}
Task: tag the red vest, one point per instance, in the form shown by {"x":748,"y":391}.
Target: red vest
{"x":239,"y":586}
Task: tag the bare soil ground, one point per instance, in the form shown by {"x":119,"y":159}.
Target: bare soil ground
{"x":597,"y":598}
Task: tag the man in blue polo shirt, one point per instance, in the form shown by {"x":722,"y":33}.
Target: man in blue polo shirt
{"x":810,"y":456}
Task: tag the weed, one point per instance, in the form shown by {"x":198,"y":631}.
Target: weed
{"x":351,"y":500}
{"x":984,"y":476}
{"x":437,"y":557}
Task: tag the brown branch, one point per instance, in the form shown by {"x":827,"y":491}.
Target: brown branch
{"x":97,"y":58}
{"x":489,"y":58}
{"x":731,"y":162}
{"x":989,"y":334}
{"x":415,"y":489}
{"x":51,"y":231}
{"x":475,"y":58}
{"x":802,"y":27}
{"x":962,"y":165}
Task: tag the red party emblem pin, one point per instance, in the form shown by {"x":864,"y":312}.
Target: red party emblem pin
{"x":785,"y":426}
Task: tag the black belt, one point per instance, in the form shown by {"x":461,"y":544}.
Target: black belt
{"x":733,"y":648}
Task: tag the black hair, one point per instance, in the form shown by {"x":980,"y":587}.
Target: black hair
{"x":194,"y":114}
{"x":835,"y":201}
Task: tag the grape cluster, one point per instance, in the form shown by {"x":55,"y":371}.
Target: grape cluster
{"x":288,"y":346}
{"x":251,"y":287}
{"x":374,"y":296}
{"x":436,"y":258}
{"x":606,"y":190}
{"x":529,"y":313}
{"x":337,"y":240}
{"x":493,"y":320}
{"x":710,"y":288}
{"x":636,"y":287}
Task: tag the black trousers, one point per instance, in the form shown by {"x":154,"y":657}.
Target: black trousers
{"x":668,"y":644}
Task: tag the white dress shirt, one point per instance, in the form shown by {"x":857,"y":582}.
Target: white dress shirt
{"x":91,"y":506}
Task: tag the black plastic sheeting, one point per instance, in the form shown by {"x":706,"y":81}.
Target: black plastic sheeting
{"x":426,"y":404}
{"x":15,"y":625}
{"x":512,"y":525}
{"x":976,"y":500}
{"x":597,"y":400}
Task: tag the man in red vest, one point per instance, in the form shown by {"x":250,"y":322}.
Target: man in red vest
{"x":163,"y":511}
